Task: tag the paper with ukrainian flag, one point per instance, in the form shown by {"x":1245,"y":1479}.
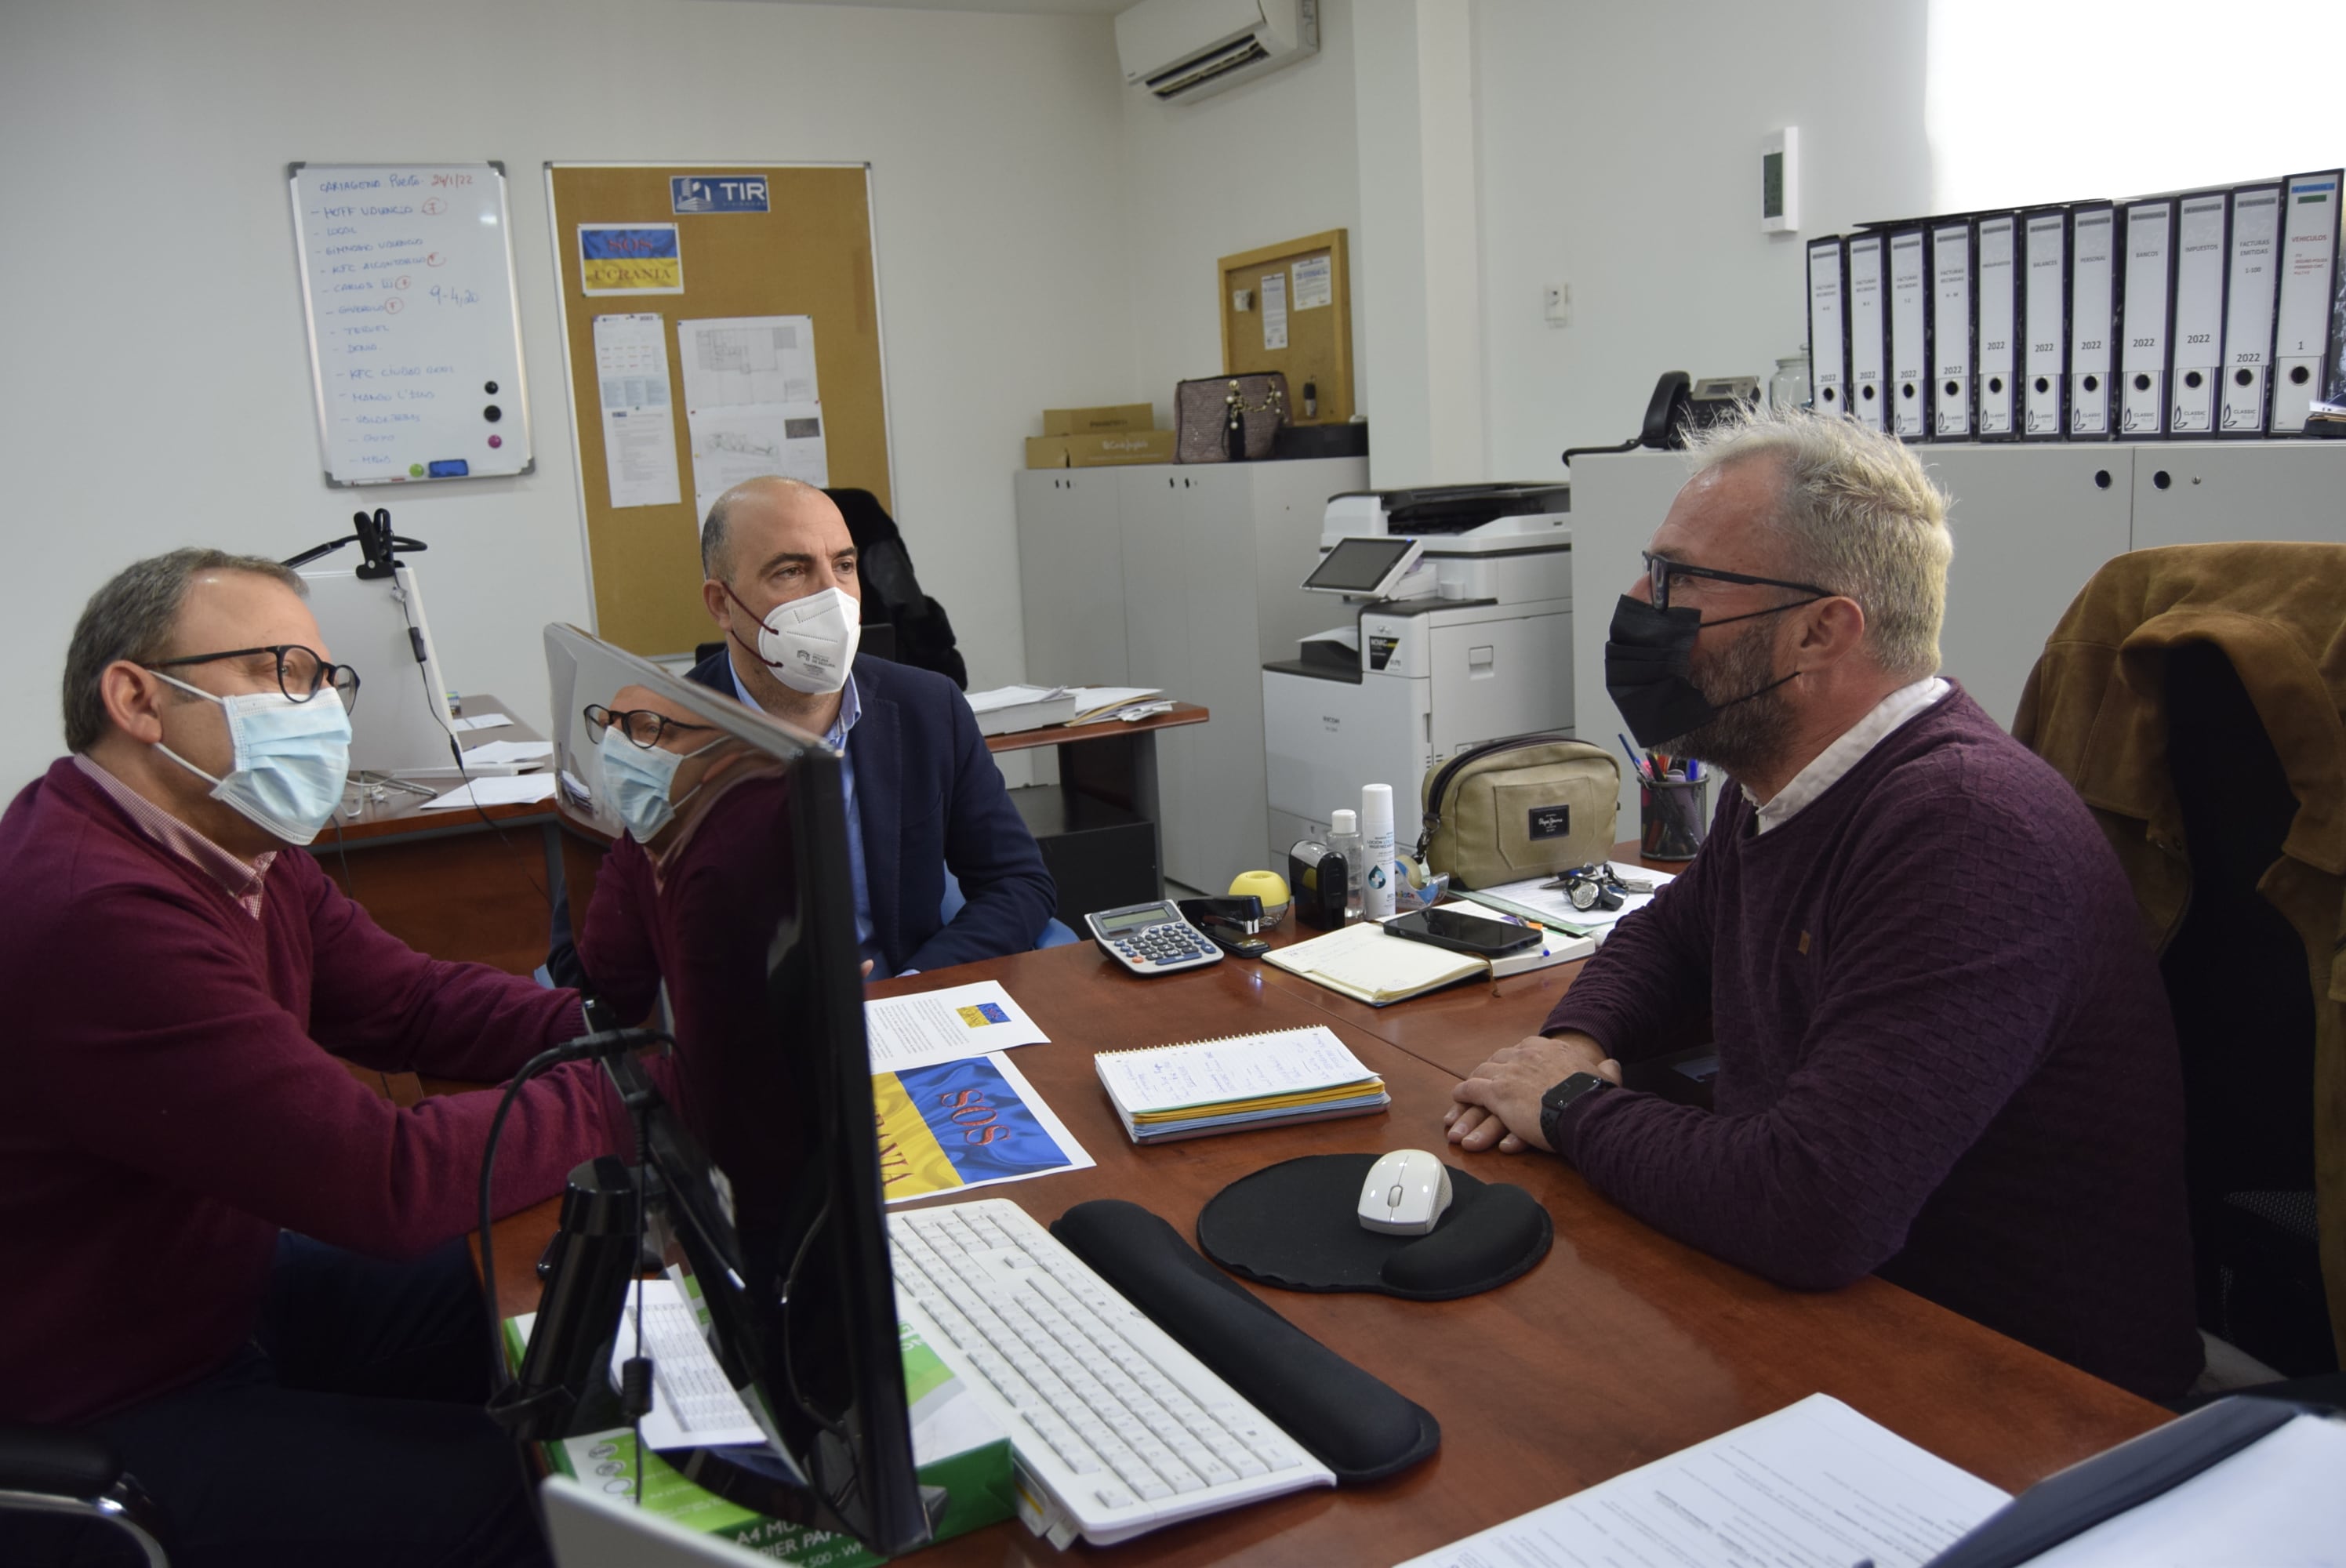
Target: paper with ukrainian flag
{"x":954,"y":1125}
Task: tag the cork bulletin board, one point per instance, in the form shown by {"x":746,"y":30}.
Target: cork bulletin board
{"x":1288,"y":308}
{"x":642,"y":249}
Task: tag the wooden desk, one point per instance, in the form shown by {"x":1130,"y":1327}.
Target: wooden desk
{"x":1098,"y":827}
{"x":469,"y":886}
{"x":1620,"y":1347}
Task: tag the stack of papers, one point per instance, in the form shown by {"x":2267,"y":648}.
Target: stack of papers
{"x":1095,"y":703}
{"x":1815,"y":1485}
{"x":1533,"y":899}
{"x":945,"y":1025}
{"x":1014,"y":707}
{"x":522,"y":790}
{"x":1250,"y":1081}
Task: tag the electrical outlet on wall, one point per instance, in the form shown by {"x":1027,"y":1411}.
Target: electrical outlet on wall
{"x":1555,"y":301}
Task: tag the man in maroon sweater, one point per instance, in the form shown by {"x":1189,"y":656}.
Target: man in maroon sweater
{"x":1944,"y":1055}
{"x":232,"y":1259}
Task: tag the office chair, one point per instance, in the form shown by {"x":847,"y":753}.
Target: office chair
{"x":66,"y":1499}
{"x":2237,"y":981}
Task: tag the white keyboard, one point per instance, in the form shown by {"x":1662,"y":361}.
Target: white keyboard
{"x":1116,"y":1429}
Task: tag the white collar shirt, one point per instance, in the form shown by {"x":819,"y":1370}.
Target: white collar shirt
{"x":1827,"y":768}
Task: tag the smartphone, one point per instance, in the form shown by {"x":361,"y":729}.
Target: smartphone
{"x":1463,"y":933}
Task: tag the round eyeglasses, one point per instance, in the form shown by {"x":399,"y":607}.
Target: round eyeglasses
{"x":640,"y":725}
{"x":301,"y":672}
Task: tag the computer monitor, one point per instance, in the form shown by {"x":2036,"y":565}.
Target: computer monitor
{"x":376,"y":626}
{"x":766,"y":1153}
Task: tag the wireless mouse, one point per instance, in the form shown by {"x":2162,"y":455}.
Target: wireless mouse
{"x":1405,"y":1194}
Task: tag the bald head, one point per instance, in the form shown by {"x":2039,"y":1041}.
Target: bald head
{"x":788,"y":500}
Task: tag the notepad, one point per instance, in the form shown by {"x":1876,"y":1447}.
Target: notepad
{"x":1368,"y":964}
{"x":1186,"y":1091}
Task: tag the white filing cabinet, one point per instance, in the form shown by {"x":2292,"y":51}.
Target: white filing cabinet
{"x":1185,"y":576}
{"x":2032,"y":523}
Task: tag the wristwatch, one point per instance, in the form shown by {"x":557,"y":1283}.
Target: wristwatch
{"x":1561,"y":1098}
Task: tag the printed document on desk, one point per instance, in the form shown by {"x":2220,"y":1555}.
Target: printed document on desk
{"x":953,"y":1126}
{"x":945,"y":1025}
{"x":1815,"y":1485}
{"x":520,"y":789}
{"x":1533,"y":899}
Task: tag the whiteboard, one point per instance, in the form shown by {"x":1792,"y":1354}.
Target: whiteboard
{"x":415,"y":333}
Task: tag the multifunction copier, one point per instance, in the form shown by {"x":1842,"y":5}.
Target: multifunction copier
{"x":1461,"y":632}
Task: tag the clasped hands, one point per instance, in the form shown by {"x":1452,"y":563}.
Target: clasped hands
{"x":1499,"y":1102}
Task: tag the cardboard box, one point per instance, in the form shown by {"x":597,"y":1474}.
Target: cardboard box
{"x":1099,"y":421}
{"x":955,"y":1446}
{"x":1106,"y":450}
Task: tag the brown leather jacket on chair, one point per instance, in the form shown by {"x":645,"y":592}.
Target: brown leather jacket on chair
{"x":2094,"y":708}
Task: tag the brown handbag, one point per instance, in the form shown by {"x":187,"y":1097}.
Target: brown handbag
{"x":1202,"y":410}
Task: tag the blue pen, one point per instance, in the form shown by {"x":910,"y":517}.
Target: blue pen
{"x":1694,"y":772}
{"x":1637,"y":766}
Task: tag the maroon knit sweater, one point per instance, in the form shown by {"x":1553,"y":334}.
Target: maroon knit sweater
{"x":167,"y":1105}
{"x":1944,"y":1055}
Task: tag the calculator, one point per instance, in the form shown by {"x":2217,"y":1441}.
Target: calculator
{"x":1152,"y":938}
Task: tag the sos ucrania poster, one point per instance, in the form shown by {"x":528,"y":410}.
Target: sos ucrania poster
{"x":955,"y":1126}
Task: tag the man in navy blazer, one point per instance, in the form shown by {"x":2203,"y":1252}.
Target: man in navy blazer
{"x":924,"y":794}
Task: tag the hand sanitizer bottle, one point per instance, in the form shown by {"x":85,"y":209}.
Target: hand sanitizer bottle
{"x":1344,"y":838}
{"x":1377,"y":851}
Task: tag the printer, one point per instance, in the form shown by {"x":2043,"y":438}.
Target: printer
{"x":1459,"y":632}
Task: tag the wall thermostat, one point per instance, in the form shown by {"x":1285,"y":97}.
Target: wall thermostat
{"x":1779,"y":182}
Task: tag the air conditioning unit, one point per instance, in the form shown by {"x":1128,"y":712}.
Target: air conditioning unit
{"x":1182,"y":49}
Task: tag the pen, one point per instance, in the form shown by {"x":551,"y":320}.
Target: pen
{"x":1637,"y":766}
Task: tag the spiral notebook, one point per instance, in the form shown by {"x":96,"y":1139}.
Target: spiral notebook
{"x":1169,"y":1092}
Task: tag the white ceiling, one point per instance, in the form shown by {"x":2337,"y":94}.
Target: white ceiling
{"x":1052,"y":7}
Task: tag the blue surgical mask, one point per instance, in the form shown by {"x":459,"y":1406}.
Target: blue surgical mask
{"x":638,"y":781}
{"x":290,"y":762}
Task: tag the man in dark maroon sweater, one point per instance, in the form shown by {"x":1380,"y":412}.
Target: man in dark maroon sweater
{"x":232,"y":1259}
{"x":1945,"y":1054}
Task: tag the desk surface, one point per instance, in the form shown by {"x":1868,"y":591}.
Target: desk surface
{"x":1622,"y":1346}
{"x":1064,"y":733}
{"x":402,"y":814}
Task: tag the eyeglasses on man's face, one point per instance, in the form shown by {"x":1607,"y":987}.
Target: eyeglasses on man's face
{"x":302,"y":673}
{"x":1660,"y":569}
{"x":640,"y":725}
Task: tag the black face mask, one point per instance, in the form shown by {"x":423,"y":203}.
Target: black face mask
{"x":1649,"y":669}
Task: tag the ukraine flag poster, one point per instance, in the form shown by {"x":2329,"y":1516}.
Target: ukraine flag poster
{"x":950,"y":1127}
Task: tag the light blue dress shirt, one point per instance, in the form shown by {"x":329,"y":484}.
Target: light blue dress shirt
{"x":851,"y":709}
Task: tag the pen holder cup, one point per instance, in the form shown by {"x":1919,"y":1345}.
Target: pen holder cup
{"x":1671,"y":818}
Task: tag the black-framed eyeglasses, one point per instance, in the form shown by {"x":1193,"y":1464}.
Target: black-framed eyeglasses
{"x":640,"y":725}
{"x":301,"y":672}
{"x":1660,"y":569}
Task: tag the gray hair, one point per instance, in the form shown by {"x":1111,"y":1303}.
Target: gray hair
{"x":133,"y":618}
{"x":1858,"y":515}
{"x":717,"y":532}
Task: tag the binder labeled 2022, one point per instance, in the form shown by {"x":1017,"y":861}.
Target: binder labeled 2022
{"x":2093,"y":310}
{"x":1909,"y":385}
{"x":1828,"y":328}
{"x":2044,"y":323}
{"x":2309,"y":295}
{"x":2147,"y":239}
{"x":1868,"y":327}
{"x":2252,"y":284}
{"x":2203,"y":230}
{"x":1997,"y":333}
{"x":1953,"y":260}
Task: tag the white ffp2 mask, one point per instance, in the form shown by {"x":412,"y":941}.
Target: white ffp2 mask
{"x":810,"y":643}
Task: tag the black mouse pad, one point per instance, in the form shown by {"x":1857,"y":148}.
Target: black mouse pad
{"x":1296,"y":1226}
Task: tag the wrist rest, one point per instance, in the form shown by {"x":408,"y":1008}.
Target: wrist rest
{"x":1353,"y":1423}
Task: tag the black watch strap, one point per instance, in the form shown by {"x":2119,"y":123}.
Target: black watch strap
{"x":1561,"y":1098}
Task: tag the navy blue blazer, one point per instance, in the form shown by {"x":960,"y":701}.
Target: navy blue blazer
{"x":930,"y":798}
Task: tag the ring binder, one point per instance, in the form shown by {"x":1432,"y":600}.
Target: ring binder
{"x":2045,"y":325}
{"x":2308,"y":290}
{"x":2252,"y":284}
{"x":2203,"y":232}
{"x":1953,"y":256}
{"x":1868,"y":325}
{"x":1997,"y":332}
{"x":1908,"y":388}
{"x":2092,"y":300}
{"x":1828,"y":327}
{"x":2148,"y":236}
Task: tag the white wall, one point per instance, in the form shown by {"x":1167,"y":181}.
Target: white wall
{"x":1620,"y":153}
{"x":157,"y":391}
{"x":1266,"y":161}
